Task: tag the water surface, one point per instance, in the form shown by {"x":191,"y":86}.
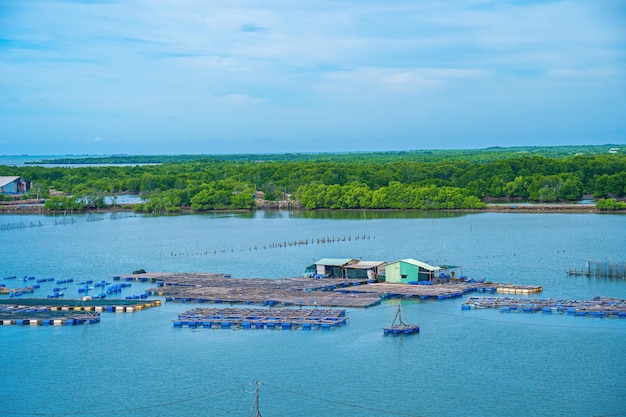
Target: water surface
{"x":463,"y":363}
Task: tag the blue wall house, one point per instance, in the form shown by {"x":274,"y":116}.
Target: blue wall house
{"x":14,"y":185}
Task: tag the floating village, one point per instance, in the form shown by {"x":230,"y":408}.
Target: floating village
{"x":316,"y":300}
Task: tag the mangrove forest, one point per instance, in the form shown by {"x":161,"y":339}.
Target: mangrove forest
{"x":429,"y":180}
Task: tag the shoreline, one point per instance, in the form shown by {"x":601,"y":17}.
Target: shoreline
{"x":29,"y":208}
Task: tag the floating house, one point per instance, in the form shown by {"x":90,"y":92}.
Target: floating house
{"x":330,"y":268}
{"x":366,"y":270}
{"x":410,"y":270}
{"x":14,"y":185}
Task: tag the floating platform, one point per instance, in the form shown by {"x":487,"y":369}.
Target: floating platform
{"x":328,"y":292}
{"x":596,"y":307}
{"x":441,"y":291}
{"x":400,"y":326}
{"x":218,"y":288}
{"x":44,"y":311}
{"x":399,"y":329}
{"x":43,"y":316}
{"x":248,"y":318}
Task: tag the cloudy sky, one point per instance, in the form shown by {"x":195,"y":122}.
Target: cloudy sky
{"x":243,"y":76}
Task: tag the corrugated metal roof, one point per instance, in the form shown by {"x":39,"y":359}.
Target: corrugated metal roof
{"x":7,"y":180}
{"x":422,"y":265}
{"x":366,"y":264}
{"x":334,"y":261}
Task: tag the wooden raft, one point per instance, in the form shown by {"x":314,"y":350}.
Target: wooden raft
{"x":249,"y":318}
{"x":595,"y":307}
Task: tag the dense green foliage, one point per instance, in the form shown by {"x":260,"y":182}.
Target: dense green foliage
{"x":610,"y":204}
{"x":393,"y":196}
{"x":63,"y":203}
{"x":449,"y":179}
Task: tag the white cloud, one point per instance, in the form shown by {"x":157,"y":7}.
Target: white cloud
{"x":241,"y":99}
{"x":393,"y":80}
{"x":111,"y":66}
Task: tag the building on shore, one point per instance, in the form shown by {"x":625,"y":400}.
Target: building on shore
{"x":14,"y":185}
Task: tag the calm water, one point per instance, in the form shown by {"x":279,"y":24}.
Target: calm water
{"x":463,"y":363}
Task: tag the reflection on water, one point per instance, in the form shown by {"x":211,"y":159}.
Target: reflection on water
{"x":374,"y":214}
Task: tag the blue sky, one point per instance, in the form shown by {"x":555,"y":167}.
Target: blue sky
{"x":247,"y":76}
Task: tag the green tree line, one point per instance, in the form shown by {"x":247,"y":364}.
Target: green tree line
{"x":357,"y":181}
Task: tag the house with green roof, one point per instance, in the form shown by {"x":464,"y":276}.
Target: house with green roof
{"x":410,"y":270}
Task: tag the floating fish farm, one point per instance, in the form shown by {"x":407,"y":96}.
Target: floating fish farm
{"x":44,"y":312}
{"x":44,"y":316}
{"x":62,"y":288}
{"x":274,"y":318}
{"x":596,"y":307}
{"x":327,"y":292}
{"x":440,"y":291}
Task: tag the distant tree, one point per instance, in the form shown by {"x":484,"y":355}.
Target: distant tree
{"x":59,"y":203}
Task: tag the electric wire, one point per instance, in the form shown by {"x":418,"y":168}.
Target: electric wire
{"x":343,"y":403}
{"x":119,"y":410}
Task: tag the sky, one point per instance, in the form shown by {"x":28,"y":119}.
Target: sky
{"x":279,"y":76}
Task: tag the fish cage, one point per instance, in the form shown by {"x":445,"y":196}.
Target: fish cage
{"x":601,"y":269}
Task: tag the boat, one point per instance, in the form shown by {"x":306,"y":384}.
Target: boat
{"x":401,"y":326}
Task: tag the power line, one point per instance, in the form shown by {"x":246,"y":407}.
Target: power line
{"x":343,"y":403}
{"x":119,"y":410}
